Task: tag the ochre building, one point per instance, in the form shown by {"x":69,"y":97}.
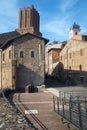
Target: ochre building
{"x":73,"y":58}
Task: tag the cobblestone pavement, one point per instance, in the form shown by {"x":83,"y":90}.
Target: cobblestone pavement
{"x":11,"y":118}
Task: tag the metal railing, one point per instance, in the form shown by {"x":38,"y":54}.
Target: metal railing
{"x":72,"y":107}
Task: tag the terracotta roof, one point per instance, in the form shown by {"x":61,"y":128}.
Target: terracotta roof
{"x":4,"y":37}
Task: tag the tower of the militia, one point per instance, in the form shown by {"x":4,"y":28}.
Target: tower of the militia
{"x":29,"y":21}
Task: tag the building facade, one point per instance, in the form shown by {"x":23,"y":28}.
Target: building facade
{"x":52,"y":52}
{"x":73,"y":58}
{"x":53,"y":59}
{"x":48,"y":47}
{"x":22,"y":58}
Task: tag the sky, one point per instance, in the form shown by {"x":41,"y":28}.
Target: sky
{"x":56,"y":16}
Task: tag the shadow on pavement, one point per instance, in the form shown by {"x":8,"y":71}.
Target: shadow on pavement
{"x":53,"y":82}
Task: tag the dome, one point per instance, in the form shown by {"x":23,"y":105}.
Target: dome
{"x":75,"y":26}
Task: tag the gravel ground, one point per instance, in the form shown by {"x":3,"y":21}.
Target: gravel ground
{"x":11,"y":118}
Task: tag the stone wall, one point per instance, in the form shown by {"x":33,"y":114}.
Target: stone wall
{"x":30,"y":69}
{"x":16,"y":71}
{"x":0,"y":68}
{"x":6,"y":68}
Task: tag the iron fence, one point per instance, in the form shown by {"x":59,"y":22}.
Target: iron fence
{"x":73,"y":107}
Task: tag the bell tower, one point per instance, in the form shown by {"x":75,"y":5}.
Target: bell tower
{"x":29,"y":21}
{"x":74,"y":30}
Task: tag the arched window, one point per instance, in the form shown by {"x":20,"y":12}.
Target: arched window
{"x":3,"y":57}
{"x":32,"y":54}
{"x":81,"y":52}
{"x":80,"y":67}
{"x":69,"y":68}
{"x":76,"y":33}
{"x":21,"y":54}
{"x":9,"y":54}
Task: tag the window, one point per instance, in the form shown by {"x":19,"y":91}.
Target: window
{"x":21,"y":54}
{"x":32,"y":54}
{"x":69,"y":68}
{"x":80,"y":67}
{"x":81,"y":52}
{"x":75,"y":33}
{"x":3,"y":57}
{"x":9,"y":54}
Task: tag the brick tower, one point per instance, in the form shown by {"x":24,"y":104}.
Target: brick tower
{"x":29,"y":21}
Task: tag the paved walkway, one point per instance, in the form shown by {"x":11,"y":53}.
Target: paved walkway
{"x":38,"y":108}
{"x":76,"y":90}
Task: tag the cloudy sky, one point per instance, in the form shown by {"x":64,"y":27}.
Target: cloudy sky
{"x":56,"y":16}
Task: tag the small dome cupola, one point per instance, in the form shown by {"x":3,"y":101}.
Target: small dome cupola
{"x":75,"y":26}
{"x":74,"y":30}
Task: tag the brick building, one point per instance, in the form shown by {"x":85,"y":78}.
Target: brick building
{"x":52,"y":52}
{"x":73,"y":59}
{"x":22,"y":53}
{"x":54,"y":44}
{"x":53,"y":59}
